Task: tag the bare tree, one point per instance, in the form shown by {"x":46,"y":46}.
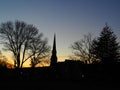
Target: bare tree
{"x":16,"y":38}
{"x":38,"y":49}
{"x":82,"y":49}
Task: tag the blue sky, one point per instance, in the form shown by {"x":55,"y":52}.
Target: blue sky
{"x":69,"y":19}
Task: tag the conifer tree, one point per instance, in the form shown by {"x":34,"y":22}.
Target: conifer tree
{"x":106,"y":47}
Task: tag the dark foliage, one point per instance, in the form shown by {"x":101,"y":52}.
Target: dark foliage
{"x":106,"y":48}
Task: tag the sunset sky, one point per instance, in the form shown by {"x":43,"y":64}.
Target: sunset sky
{"x":69,"y":19}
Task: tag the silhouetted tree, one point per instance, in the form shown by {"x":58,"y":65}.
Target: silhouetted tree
{"x":38,"y":49}
{"x":16,"y":38}
{"x":3,"y":61}
{"x":106,"y":48}
{"x":45,"y":62}
{"x":82,"y":49}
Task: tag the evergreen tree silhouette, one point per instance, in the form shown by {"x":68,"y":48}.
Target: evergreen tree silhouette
{"x":106,"y":47}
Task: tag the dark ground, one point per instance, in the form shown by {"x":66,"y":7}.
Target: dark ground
{"x":56,"y":85}
{"x":97,"y":77}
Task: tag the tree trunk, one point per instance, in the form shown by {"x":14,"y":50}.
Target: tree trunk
{"x":18,"y":60}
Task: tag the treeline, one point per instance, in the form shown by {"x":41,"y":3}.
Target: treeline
{"x":102,"y":49}
{"x":25,"y":42}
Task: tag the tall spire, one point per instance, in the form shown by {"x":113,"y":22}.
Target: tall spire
{"x":54,"y":44}
{"x":54,"y":52}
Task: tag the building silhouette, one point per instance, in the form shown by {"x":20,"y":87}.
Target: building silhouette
{"x":54,"y":53}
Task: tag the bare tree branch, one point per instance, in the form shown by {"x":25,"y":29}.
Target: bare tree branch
{"x":82,"y":48}
{"x":16,"y":37}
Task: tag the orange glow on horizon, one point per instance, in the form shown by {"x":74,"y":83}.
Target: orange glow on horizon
{"x":61,"y":58}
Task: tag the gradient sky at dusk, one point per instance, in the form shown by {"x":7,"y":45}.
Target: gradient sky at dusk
{"x":69,"y":19}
